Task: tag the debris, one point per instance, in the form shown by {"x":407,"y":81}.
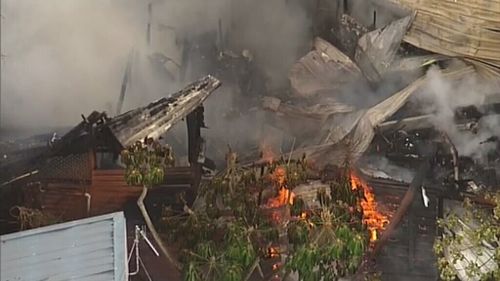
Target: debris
{"x":318,"y":111}
{"x":158,"y":117}
{"x":325,"y":69}
{"x":357,"y":140}
{"x":425,"y":198}
{"x":456,"y":29}
{"x":376,"y":50}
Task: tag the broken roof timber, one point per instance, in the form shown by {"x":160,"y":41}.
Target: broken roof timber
{"x":158,"y":117}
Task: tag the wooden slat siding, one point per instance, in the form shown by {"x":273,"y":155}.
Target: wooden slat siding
{"x":110,"y":192}
{"x":179,"y":176}
{"x":64,"y":201}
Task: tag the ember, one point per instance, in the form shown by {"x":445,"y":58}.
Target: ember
{"x":372,"y":218}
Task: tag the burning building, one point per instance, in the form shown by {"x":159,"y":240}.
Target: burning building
{"x":80,"y":174}
{"x":399,"y":96}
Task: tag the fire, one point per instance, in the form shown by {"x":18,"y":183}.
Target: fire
{"x":279,"y":176}
{"x":273,"y":252}
{"x":285,"y":196}
{"x":372,"y":218}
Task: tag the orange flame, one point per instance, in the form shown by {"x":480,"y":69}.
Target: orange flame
{"x":372,"y":218}
{"x":273,"y":252}
{"x":285,"y":196}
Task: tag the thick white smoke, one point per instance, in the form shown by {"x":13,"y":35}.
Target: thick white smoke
{"x":68,"y":57}
{"x":442,"y":97}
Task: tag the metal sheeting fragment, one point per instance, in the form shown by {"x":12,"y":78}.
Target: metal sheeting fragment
{"x":325,"y":69}
{"x":487,"y":71}
{"x":376,"y":50}
{"x":158,"y":117}
{"x":455,"y":28}
{"x":356,"y":142}
{"x":88,"y":249}
{"x":415,"y":62}
{"x":319,"y":111}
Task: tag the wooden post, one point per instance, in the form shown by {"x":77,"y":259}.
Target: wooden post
{"x":194,"y":123}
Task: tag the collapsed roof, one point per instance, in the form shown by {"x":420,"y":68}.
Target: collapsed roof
{"x":158,"y":117}
{"x":152,"y":120}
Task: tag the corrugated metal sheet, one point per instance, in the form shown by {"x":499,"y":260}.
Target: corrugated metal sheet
{"x":456,"y":28}
{"x":87,"y":249}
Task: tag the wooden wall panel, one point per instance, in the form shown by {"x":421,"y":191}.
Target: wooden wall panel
{"x":110,"y":192}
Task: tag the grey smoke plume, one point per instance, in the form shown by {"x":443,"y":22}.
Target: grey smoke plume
{"x":64,"y":58}
{"x":68,"y":58}
{"x":382,"y":167}
{"x":442,"y":97}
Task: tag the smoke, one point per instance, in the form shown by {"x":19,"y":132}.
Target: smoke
{"x":64,"y":58}
{"x":278,"y":32}
{"x":442,"y":97}
{"x":382,"y":167}
{"x":69,"y":57}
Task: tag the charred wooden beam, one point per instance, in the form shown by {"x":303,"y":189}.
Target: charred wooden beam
{"x":195,"y":121}
{"x":454,"y":154}
{"x":408,"y":124}
{"x":158,"y":117}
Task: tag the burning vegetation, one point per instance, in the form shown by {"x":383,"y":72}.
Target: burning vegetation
{"x":319,"y":239}
{"x":372,"y":218}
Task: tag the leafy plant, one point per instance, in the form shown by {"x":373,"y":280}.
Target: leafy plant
{"x":476,"y":229}
{"x":145,"y":165}
{"x":329,"y":243}
{"x":227,"y":236}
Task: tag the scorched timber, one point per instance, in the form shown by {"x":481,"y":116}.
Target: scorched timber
{"x":158,"y":117}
